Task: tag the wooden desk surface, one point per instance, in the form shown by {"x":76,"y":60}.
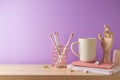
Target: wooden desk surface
{"x":37,"y":72}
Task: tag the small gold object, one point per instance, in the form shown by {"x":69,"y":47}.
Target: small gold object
{"x":45,"y":66}
{"x":69,"y":70}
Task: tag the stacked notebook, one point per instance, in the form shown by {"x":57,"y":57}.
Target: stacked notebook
{"x":107,"y":69}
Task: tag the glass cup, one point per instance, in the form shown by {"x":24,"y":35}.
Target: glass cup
{"x":59,"y":60}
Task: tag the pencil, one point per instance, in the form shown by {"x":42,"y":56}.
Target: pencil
{"x":55,"y":38}
{"x":53,"y":42}
{"x":58,"y":40}
{"x":64,"y":50}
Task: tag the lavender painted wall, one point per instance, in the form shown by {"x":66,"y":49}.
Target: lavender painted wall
{"x":25,"y":25}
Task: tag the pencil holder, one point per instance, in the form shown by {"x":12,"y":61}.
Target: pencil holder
{"x":60,"y":60}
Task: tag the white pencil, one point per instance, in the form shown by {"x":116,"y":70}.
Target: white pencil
{"x":58,"y":40}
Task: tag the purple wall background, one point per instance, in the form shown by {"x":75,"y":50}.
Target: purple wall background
{"x":25,"y":25}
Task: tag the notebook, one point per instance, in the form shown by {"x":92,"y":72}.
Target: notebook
{"x":111,"y":71}
{"x":92,"y":64}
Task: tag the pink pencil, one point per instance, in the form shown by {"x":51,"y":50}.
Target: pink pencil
{"x":55,"y":38}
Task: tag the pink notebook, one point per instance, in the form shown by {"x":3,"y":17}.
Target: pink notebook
{"x":93,"y":65}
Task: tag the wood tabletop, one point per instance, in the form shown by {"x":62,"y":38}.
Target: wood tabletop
{"x":38,"y":72}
